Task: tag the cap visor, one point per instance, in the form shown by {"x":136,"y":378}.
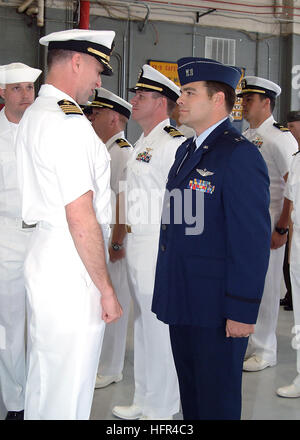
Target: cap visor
{"x":107,"y":69}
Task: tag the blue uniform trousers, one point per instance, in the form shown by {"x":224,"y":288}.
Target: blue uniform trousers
{"x":209,"y":369}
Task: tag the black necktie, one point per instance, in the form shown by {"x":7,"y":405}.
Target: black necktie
{"x":190,"y":150}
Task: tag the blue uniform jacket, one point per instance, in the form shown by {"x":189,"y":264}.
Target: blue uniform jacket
{"x":218,"y":274}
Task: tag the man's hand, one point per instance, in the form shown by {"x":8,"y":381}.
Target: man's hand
{"x":111,"y":308}
{"x":236,"y":329}
{"x":278,"y":240}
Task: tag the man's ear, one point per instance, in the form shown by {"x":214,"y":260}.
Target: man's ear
{"x":76,"y":61}
{"x":267,"y":102}
{"x":2,"y":93}
{"x":115,"y":117}
{"x":164,"y":101}
{"x":219,"y":98}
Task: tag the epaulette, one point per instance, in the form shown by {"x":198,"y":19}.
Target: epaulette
{"x":172,"y":131}
{"x":69,"y":107}
{"x":123,"y":143}
{"x":294,"y":154}
{"x":280,"y":127}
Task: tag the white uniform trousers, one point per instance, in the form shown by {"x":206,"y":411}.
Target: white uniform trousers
{"x":263,"y":341}
{"x":295,"y":281}
{"x":13,"y":244}
{"x":65,"y":329}
{"x":156,"y":385}
{"x":114,"y":342}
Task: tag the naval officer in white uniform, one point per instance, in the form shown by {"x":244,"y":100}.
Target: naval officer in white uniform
{"x":109,"y":116}
{"x":292,"y":193}
{"x":156,"y":393}
{"x":64,"y":175}
{"x":17,"y":90}
{"x":277,"y":146}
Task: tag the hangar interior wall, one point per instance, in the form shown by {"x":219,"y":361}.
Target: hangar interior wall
{"x":275,"y":57}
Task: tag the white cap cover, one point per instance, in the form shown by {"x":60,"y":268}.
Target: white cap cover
{"x":98,"y":44}
{"x":152,"y":80}
{"x":255,"y":84}
{"x":106,"y":99}
{"x":17,"y":73}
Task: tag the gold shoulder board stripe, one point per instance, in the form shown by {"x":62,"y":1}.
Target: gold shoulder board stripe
{"x":69,"y":108}
{"x":122,"y":143}
{"x":280,"y":127}
{"x":172,"y":131}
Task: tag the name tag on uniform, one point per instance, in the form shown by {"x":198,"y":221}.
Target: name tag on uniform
{"x":201,"y":185}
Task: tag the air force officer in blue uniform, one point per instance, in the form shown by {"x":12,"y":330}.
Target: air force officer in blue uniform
{"x":210,"y":275}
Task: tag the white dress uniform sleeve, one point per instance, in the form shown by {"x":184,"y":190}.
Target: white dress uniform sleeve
{"x":283,"y":149}
{"x":74,"y":166}
{"x":288,"y":190}
{"x":119,"y":159}
{"x":292,"y":190}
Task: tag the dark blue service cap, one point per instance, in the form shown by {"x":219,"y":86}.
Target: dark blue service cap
{"x":192,"y":69}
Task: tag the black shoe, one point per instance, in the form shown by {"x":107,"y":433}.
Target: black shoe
{"x":15,"y":415}
{"x":288,"y":307}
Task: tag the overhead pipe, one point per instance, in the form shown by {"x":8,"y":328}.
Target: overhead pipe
{"x":40,"y":14}
{"x":24,"y":5}
{"x":33,"y":10}
{"x":84,"y":14}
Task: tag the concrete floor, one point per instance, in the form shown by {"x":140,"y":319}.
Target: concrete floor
{"x":260,"y":401}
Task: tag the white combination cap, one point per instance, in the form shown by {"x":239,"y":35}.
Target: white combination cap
{"x":17,"y":73}
{"x":255,"y":84}
{"x":106,"y":99}
{"x":98,"y":44}
{"x":152,"y":80}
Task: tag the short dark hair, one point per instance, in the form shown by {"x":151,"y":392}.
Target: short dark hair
{"x":57,"y":55}
{"x":215,"y":87}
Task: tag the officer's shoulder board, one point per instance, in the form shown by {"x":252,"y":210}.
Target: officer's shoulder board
{"x":172,"y":131}
{"x":280,"y":127}
{"x":123,"y":143}
{"x":69,"y":108}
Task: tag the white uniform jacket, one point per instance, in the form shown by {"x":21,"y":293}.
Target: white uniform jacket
{"x":277,"y":147}
{"x":60,"y":158}
{"x":13,"y":243}
{"x":114,"y":342}
{"x":147,"y":174}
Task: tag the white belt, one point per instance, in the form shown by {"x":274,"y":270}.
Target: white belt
{"x":15,"y":223}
